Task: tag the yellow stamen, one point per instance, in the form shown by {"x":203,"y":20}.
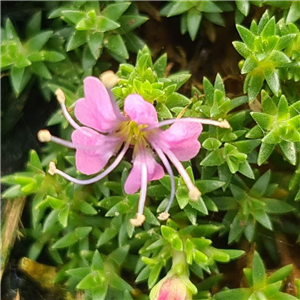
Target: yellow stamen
{"x":109,"y":79}
{"x":60,"y":96}
{"x":163,"y":216}
{"x":194,"y":194}
{"x":138,"y":220}
{"x":52,"y":168}
{"x":44,"y":136}
{"x":224,"y":124}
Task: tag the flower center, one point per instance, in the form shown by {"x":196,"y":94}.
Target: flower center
{"x":134,"y":132}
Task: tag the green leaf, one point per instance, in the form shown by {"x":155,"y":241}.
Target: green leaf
{"x":258,"y":272}
{"x":97,"y":262}
{"x":294,"y":12}
{"x":247,"y":36}
{"x":254,"y":85}
{"x":115,"y":11}
{"x":246,"y":146}
{"x":236,"y":228}
{"x":82,"y":232}
{"x":176,"y":8}
{"x":106,"y":236}
{"x":119,"y":255}
{"x":79,"y":272}
{"x":95,"y":43}
{"x":55,"y":202}
{"x":43,"y":55}
{"x":115,"y":44}
{"x":211,"y":144}
{"x":193,"y":22}
{"x":250,"y":64}
{"x":130,"y":22}
{"x":77,"y":39}
{"x":268,"y":105}
{"x":92,"y":280}
{"x":208,"y":6}
{"x":250,"y":229}
{"x":10,"y":31}
{"x":160,"y":65}
{"x":243,"y":6}
{"x":242,"y":48}
{"x":280,"y":274}
{"x":179,"y":78}
{"x":13,"y":192}
{"x":279,"y":58}
{"x":63,"y":216}
{"x":86,"y":208}
{"x":263,"y":219}
{"x":88,"y":60}
{"x":120,"y":284}
{"x":274,"y":206}
{"x":177,"y":100}
{"x":265,"y":121}
{"x":37,"y":42}
{"x":66,"y":241}
{"x":246,"y":170}
{"x":34,"y":160}
{"x":89,"y":22}
{"x":199,"y":205}
{"x":16,"y":76}
{"x":105,"y":24}
{"x":264,"y":152}
{"x":75,"y":16}
{"x":272,"y":79}
{"x":214,"y":158}
{"x":40,"y":69}
{"x":289,"y":151}
{"x":207,"y":186}
{"x":225,"y":203}
{"x":230,"y":294}
{"x":283,"y":108}
{"x":273,"y":137}
{"x":33,"y":26}
{"x":260,"y":186}
{"x":269,"y":29}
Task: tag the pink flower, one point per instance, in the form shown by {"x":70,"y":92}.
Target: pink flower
{"x":106,"y":130}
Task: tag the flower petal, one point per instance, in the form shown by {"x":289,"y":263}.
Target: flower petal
{"x":97,"y":110}
{"x":181,"y":139}
{"x":171,"y":288}
{"x":139,"y":110}
{"x":154,"y":171}
{"x":93,"y":150}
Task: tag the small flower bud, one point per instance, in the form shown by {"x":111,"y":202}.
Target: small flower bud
{"x":60,"y":96}
{"x":138,"y":220}
{"x":194,"y":194}
{"x":44,"y":136}
{"x":109,"y":79}
{"x":171,"y":288}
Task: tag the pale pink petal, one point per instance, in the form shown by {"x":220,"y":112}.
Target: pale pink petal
{"x":173,"y":289}
{"x":93,"y":150}
{"x":154,"y":171}
{"x":96,"y":109}
{"x":181,"y":139}
{"x":139,"y":110}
